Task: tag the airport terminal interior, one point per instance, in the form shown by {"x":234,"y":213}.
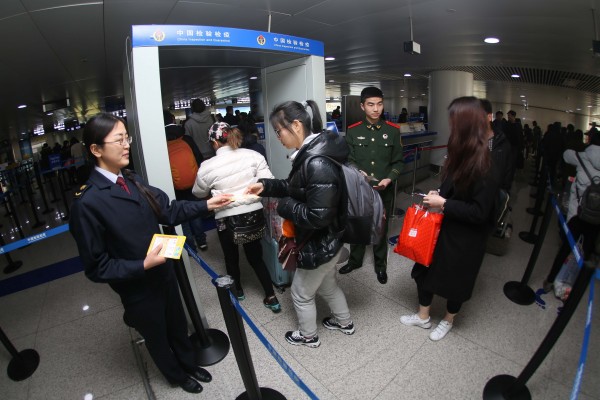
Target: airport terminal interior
{"x":77,"y":328}
{"x":67,"y":60}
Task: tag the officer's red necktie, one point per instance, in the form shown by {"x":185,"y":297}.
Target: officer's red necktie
{"x":121,"y":182}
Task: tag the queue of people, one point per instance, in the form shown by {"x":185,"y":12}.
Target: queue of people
{"x":113,"y":245}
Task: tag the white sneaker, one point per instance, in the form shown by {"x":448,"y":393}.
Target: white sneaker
{"x":440,"y":331}
{"x":414,"y":320}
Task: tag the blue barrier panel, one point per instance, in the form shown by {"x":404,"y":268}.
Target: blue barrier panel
{"x":35,"y":238}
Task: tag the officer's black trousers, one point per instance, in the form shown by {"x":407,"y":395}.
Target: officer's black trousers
{"x":161,"y":321}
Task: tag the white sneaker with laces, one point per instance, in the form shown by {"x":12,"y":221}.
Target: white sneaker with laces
{"x":414,"y":320}
{"x":440,"y":331}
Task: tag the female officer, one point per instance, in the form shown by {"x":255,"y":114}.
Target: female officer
{"x":113,"y":221}
{"x":310,"y":199}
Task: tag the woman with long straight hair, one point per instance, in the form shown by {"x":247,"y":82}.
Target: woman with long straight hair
{"x":113,"y":219}
{"x":466,"y":196}
{"x":310,"y":203}
{"x":241,"y":222}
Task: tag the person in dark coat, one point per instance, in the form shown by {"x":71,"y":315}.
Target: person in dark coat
{"x":466,"y":196}
{"x":113,"y":221}
{"x":310,"y":203}
{"x":501,"y":151}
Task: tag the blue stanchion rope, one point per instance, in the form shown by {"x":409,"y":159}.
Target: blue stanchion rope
{"x":588,"y":322}
{"x":288,"y":370}
{"x":34,"y":238}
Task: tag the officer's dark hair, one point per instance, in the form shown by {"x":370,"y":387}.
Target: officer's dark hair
{"x":95,"y":131}
{"x":285,"y":113}
{"x":198,"y":106}
{"x":370,"y":91}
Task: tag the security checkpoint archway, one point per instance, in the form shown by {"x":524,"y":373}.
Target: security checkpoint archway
{"x":291,"y":68}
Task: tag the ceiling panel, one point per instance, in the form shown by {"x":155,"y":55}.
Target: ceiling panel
{"x":547,"y":41}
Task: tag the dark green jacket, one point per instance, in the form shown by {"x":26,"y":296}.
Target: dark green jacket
{"x":376,"y":148}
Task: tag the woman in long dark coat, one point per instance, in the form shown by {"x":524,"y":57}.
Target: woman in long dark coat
{"x":466,"y":196}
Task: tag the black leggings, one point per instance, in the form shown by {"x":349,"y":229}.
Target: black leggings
{"x":254,"y":255}
{"x":426,"y":297}
{"x":577,"y":228}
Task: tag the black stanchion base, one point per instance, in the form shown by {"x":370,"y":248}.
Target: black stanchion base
{"x":12,"y":267}
{"x":519,"y":293}
{"x":41,"y":223}
{"x":216,"y":350}
{"x":266,"y":394}
{"x":533,"y":211}
{"x":528,"y":237}
{"x":497,"y":386}
{"x":23,"y":367}
{"x":47,"y":210}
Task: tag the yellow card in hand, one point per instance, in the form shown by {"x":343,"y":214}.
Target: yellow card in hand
{"x":172,"y":245}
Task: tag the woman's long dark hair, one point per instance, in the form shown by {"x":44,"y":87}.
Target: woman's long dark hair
{"x":95,"y":131}
{"x":285,"y":113}
{"x":468,"y":152}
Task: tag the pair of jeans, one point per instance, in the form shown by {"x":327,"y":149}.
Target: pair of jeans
{"x":307,"y":284}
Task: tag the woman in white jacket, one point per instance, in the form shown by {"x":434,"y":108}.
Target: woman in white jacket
{"x":232,"y":170}
{"x":590,"y":157}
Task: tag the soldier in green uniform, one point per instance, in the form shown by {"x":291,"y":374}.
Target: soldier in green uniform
{"x":375,"y":149}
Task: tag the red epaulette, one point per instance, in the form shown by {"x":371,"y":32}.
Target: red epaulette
{"x":355,"y":124}
{"x":393,"y":124}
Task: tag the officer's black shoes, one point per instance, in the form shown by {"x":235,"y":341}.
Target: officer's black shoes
{"x":382,"y":277}
{"x":200,"y":374}
{"x":347,"y":269}
{"x":190,"y":385}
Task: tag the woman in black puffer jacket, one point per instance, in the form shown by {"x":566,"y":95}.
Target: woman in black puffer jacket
{"x":310,"y":199}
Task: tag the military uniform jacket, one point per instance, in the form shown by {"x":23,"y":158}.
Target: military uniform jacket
{"x":113,"y":230}
{"x":376,"y":148}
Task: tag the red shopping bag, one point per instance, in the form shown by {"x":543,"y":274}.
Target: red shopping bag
{"x":419,"y":234}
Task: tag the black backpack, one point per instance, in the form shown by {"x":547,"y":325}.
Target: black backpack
{"x":364,"y":219}
{"x":589,"y":201}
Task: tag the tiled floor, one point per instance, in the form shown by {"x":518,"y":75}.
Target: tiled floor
{"x":88,"y":355}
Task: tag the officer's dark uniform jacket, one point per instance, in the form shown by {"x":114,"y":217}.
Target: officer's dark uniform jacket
{"x":376,"y":148}
{"x":311,"y":198}
{"x":114,"y":229}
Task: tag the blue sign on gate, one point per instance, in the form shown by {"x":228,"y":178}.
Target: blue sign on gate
{"x":192,"y":35}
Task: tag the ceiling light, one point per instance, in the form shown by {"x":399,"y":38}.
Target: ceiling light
{"x":22,"y":106}
{"x":329,"y":58}
{"x":515,"y":76}
{"x":522,"y":96}
{"x":253,"y":77}
{"x":86,"y":307}
{"x":590,"y":106}
{"x":578,"y":109}
{"x":491,"y":40}
{"x":331,"y":80}
{"x":407,"y":75}
{"x":50,"y":113}
{"x":402,"y":90}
